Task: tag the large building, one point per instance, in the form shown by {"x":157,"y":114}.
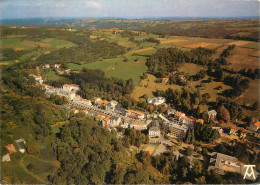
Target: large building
{"x":177,"y":131}
{"x":209,"y":115}
{"x":156,"y":100}
{"x":222,"y":163}
{"x":135,"y":114}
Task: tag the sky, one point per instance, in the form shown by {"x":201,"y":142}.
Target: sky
{"x":12,"y":9}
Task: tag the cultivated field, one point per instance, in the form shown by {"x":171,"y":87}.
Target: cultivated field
{"x":242,"y":58}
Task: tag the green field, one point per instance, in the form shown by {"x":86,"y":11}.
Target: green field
{"x":116,"y":67}
{"x":50,"y":75}
{"x":58,"y":43}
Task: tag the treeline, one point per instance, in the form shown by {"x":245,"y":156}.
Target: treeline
{"x":39,"y":33}
{"x":87,"y":51}
{"x":239,"y":150}
{"x":11,"y":54}
{"x":200,"y":132}
{"x":167,"y":60}
{"x":225,"y":53}
{"x":96,"y":80}
{"x":187,"y":100}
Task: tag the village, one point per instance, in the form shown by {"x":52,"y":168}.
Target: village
{"x":111,"y":116}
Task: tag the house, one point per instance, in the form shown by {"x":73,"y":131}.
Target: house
{"x":254,"y":126}
{"x":201,"y":121}
{"x":68,"y":70}
{"x":96,"y":100}
{"x":156,"y":100}
{"x":20,"y":143}
{"x":209,"y":115}
{"x":243,"y":133}
{"x":115,"y":121}
{"x":57,"y":66}
{"x":135,"y":114}
{"x":38,"y":79}
{"x":176,"y":130}
{"x":75,"y":111}
{"x":165,"y":80}
{"x":6,"y":158}
{"x":10,"y":148}
{"x":233,"y":131}
{"x":46,"y":66}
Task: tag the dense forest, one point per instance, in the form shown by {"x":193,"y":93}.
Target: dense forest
{"x":167,"y":60}
{"x":87,"y":51}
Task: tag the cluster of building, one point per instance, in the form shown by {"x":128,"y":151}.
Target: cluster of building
{"x":178,"y":126}
{"x":12,"y":148}
{"x":56,"y":66}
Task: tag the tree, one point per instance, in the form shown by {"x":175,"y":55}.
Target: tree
{"x":33,"y":149}
{"x":255,"y":105}
{"x":223,"y":114}
{"x":200,"y":180}
{"x":197,"y":169}
{"x":188,"y":151}
{"x":204,"y":151}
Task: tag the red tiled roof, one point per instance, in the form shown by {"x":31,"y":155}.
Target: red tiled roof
{"x":256,"y":123}
{"x":200,"y":120}
{"x":136,"y":112}
{"x":10,"y":148}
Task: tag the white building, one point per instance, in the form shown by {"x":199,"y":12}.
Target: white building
{"x":135,"y":114}
{"x":71,"y":87}
{"x":111,"y":105}
{"x":86,"y":102}
{"x":6,"y":158}
{"x":115,"y":121}
{"x":176,"y":130}
{"x":156,"y":100}
{"x":57,"y":66}
{"x":46,"y":66}
{"x":154,"y":132}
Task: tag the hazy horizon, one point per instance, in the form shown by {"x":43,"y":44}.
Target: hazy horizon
{"x":22,"y":9}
